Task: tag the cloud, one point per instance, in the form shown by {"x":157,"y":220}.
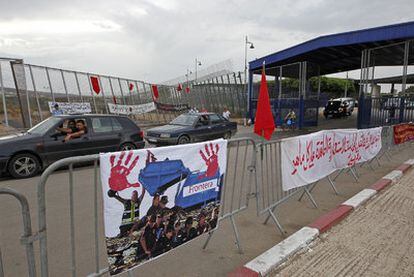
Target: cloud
{"x":158,"y":40}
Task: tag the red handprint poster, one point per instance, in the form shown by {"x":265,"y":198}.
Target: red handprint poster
{"x":158,"y":199}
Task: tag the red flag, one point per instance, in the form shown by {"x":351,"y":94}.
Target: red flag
{"x":264,"y":124}
{"x":179,"y":87}
{"x":95,"y":84}
{"x":131,"y":87}
{"x":155,"y":92}
{"x":187,"y":89}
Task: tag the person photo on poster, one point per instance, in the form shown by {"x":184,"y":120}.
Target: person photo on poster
{"x":158,"y":199}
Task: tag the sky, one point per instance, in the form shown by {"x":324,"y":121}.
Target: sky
{"x":157,"y":40}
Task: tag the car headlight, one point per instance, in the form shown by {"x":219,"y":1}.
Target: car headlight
{"x":165,"y":135}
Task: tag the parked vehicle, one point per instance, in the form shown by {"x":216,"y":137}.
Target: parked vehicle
{"x":348,"y":103}
{"x":335,"y":108}
{"x":192,"y":127}
{"x":26,"y":154}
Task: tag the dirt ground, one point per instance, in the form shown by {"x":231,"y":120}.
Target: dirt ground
{"x":375,"y":240}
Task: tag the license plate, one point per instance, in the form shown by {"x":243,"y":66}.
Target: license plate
{"x":152,"y":140}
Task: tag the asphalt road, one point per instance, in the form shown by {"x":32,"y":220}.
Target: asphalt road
{"x":189,"y":260}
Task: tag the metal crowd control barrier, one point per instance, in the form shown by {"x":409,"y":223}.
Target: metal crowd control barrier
{"x":240,"y":175}
{"x":27,"y":238}
{"x":235,"y":198}
{"x":270,"y":194}
{"x":41,"y":193}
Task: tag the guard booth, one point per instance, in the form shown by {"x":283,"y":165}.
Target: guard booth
{"x":291,"y":87}
{"x":293,"y":74}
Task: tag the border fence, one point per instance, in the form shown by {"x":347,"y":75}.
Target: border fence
{"x":253,"y":173}
{"x":26,"y":90}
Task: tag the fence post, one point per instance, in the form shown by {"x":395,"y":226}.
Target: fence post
{"x":92,"y":93}
{"x":6,"y":120}
{"x":27,"y":237}
{"x":402,"y":105}
{"x":64,"y":85}
{"x":36,"y":94}
{"x":78,"y":86}
{"x":50,"y":84}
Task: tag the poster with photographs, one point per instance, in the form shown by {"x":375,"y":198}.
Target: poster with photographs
{"x":159,"y":198}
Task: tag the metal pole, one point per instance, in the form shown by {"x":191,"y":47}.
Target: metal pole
{"x":103,"y":95}
{"x":28,"y":101}
{"x":19,"y":98}
{"x":36,"y":94}
{"x":50,"y":84}
{"x":346,"y":85}
{"x":404,"y":77}
{"x":92,"y":93}
{"x":120,"y":89}
{"x":78,"y":86}
{"x":245,"y":61}
{"x":6,"y":119}
{"x":195,"y":70}
{"x":64,"y":85}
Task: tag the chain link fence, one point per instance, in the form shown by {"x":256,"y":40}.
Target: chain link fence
{"x":27,"y":91}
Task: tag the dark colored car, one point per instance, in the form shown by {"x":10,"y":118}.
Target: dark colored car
{"x":335,"y":108}
{"x":26,"y":154}
{"x":192,"y":127}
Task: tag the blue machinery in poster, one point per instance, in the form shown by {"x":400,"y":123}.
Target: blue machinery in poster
{"x":158,"y":176}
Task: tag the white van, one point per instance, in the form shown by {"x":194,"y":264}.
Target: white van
{"x":348,"y":103}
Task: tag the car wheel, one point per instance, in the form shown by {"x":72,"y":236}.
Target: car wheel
{"x":24,"y":165}
{"x":127,"y":146}
{"x":227,"y":135}
{"x":183,"y":140}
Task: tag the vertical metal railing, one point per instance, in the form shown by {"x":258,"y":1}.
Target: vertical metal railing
{"x":27,"y":238}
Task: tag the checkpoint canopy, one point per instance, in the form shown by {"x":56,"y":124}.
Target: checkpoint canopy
{"x":329,"y":54}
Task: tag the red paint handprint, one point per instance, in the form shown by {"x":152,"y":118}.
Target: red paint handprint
{"x":211,"y":160}
{"x":120,"y":171}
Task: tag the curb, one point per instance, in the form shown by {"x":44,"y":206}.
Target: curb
{"x":278,"y":254}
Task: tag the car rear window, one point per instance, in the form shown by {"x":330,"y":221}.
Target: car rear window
{"x":215,"y":119}
{"x":127,"y":123}
{"x":116,"y":126}
{"x":101,"y":124}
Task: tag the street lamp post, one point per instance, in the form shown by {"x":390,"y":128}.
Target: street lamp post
{"x":187,"y":75}
{"x":197,"y":64}
{"x":246,"y":43}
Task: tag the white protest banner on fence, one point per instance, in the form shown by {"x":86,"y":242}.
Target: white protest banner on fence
{"x":158,"y":199}
{"x":131,"y":109}
{"x":309,"y":158}
{"x":57,"y":108}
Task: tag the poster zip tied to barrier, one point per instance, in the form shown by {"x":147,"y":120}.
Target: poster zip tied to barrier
{"x":131,"y":109}
{"x":158,"y":199}
{"x":309,"y":158}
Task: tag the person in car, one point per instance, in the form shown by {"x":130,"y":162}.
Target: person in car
{"x":70,"y":129}
{"x":81,"y":130}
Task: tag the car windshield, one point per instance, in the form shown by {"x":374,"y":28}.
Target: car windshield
{"x":334,"y":104}
{"x":44,"y":126}
{"x":185,"y":120}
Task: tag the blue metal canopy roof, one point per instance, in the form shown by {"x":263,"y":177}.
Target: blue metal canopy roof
{"x":342,"y":51}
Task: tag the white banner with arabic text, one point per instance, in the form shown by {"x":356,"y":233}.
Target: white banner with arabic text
{"x":131,"y":109}
{"x":309,"y":158}
{"x":58,"y":108}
